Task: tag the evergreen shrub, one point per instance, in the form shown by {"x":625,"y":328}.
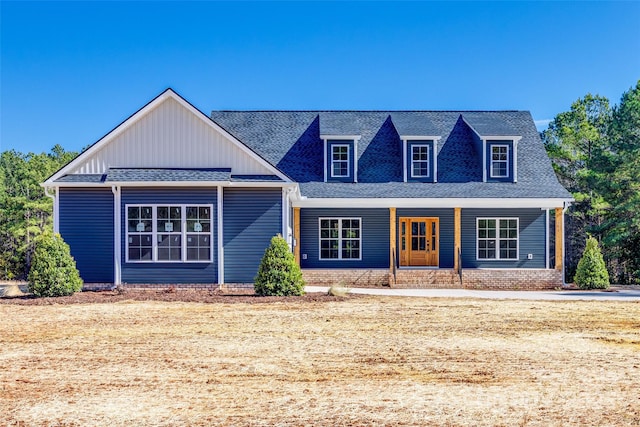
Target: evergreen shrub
{"x":592,"y":271}
{"x":53,"y":270}
{"x":279,"y":274}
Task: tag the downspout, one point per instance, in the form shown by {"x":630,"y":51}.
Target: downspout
{"x":56,"y":204}
{"x":117,"y":236}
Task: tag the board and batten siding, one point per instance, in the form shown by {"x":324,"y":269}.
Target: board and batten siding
{"x":531,"y":233}
{"x":169,"y":272}
{"x":445,"y":216}
{"x":251,"y":217}
{"x":86,"y":224}
{"x":374,"y":241}
{"x":170,"y":136}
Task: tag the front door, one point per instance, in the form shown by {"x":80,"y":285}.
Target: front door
{"x":419,"y":241}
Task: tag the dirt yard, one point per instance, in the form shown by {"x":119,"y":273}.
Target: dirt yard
{"x":146,"y":359}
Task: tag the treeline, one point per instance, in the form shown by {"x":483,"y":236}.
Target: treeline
{"x":25,"y":210}
{"x":594,"y":147}
{"x":595,"y":150}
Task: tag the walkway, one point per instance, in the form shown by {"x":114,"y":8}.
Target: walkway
{"x":615,"y":294}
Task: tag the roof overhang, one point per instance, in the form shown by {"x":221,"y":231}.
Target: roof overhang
{"x":512,"y":203}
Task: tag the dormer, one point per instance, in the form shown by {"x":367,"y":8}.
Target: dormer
{"x":497,"y":143}
{"x":340,"y":153}
{"x":419,"y":147}
{"x":340,"y":134}
{"x":420,"y":158}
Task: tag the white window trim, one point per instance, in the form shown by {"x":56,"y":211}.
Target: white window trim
{"x":492,"y":146}
{"x":497,"y":239}
{"x":154,"y":233}
{"x":348,"y":175}
{"x":427,"y":146}
{"x":339,"y":219}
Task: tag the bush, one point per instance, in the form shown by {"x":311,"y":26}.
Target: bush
{"x":592,"y":272}
{"x":279,"y":274}
{"x":53,"y":270}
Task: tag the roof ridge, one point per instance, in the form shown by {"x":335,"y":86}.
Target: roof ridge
{"x":369,"y":111}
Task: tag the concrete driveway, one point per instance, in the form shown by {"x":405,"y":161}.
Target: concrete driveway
{"x":615,"y":294}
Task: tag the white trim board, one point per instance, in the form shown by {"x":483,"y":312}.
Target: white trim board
{"x":430,"y":203}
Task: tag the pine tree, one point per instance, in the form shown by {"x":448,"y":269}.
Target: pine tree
{"x":279,"y":274}
{"x":592,"y":272}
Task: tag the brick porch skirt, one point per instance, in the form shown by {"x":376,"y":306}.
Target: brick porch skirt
{"x":512,"y":279}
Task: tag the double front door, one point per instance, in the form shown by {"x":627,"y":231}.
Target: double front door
{"x":419,"y":241}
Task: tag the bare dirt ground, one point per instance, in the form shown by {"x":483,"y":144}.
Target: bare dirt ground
{"x":197,"y":358}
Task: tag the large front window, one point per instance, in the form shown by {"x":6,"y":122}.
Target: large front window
{"x":340,"y":238}
{"x":497,"y":238}
{"x":169,"y":233}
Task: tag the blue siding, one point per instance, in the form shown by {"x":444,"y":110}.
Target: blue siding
{"x":446,"y":251}
{"x":158,"y":272}
{"x":374,"y":239}
{"x":531,"y":234}
{"x":251,"y":218}
{"x":352,"y":155}
{"x":86,"y":224}
{"x":409,"y":157}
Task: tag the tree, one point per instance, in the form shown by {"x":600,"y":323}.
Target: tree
{"x":279,"y":274}
{"x":574,"y":141}
{"x":617,"y":175}
{"x":25,"y":211}
{"x":53,"y":271}
{"x":592,"y":272}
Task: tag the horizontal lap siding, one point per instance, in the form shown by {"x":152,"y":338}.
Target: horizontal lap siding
{"x":445,"y":216}
{"x":531,"y":238}
{"x":251,"y":218}
{"x":86,"y":224}
{"x":159,"y":272}
{"x":374,"y":239}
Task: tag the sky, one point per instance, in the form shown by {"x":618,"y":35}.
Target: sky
{"x":72,"y":71}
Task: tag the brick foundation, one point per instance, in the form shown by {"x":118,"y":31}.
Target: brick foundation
{"x":353,"y":278}
{"x":508,"y":279}
{"x":513,"y":279}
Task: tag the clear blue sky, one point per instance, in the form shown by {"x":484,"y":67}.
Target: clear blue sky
{"x":72,"y":71}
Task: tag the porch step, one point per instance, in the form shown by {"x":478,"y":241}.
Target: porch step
{"x":427,"y":279}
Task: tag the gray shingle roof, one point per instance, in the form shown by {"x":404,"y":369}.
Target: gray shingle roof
{"x":489,"y":125}
{"x":156,"y":175}
{"x":82,"y":178}
{"x":290,"y":141}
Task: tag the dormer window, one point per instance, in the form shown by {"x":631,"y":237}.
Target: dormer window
{"x":339,"y":161}
{"x":340,"y":158}
{"x":499,"y":161}
{"x":420,"y":161}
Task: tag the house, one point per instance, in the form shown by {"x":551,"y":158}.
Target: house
{"x":375,"y":198}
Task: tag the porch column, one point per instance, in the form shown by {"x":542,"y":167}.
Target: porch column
{"x":559,"y":238}
{"x":296,"y":234}
{"x":457,"y":237}
{"x":392,"y":239}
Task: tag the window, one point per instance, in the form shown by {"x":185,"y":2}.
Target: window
{"x":157,"y":233}
{"x":420,"y":161}
{"x":498,"y":238}
{"x":340,"y":238}
{"x":339,"y":160}
{"x":499,"y":161}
